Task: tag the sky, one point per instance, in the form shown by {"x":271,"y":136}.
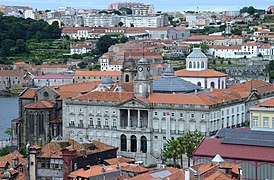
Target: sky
{"x":160,"y":5}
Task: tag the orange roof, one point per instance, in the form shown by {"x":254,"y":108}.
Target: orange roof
{"x":8,"y":158}
{"x":228,"y":47}
{"x":54,"y":149}
{"x":28,"y":93}
{"x":148,"y":176}
{"x":98,"y":73}
{"x":267,"y":46}
{"x":119,"y":160}
{"x":107,"y":96}
{"x":251,"y":44}
{"x":135,"y":169}
{"x":11,"y":73}
{"x":44,"y":104}
{"x":268,"y":103}
{"x":203,"y":73}
{"x":20,"y":63}
{"x":96,"y":170}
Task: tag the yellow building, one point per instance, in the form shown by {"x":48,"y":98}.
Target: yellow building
{"x":262,"y":115}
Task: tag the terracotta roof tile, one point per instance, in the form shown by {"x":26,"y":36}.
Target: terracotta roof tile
{"x":8,"y":158}
{"x":95,"y":170}
{"x":119,"y":160}
{"x":203,"y":73}
{"x":135,"y":169}
{"x":98,"y":73}
{"x":44,"y":104}
{"x":267,"y":103}
{"x":107,"y":96}
{"x":28,"y":93}
{"x":11,"y":73}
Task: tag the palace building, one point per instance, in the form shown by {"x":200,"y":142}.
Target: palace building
{"x":139,"y":120}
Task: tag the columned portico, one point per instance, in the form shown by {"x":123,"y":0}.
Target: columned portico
{"x":132,"y":118}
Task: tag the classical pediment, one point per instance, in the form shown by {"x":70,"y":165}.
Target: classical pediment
{"x":134,"y":103}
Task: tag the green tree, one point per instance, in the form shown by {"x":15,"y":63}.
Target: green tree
{"x":191,"y":141}
{"x":204,"y":47}
{"x":251,"y":10}
{"x":4,"y":152}
{"x":6,"y":45}
{"x":123,"y":39}
{"x":22,"y":150}
{"x":181,"y":147}
{"x":172,"y":150}
{"x":8,"y":131}
{"x":104,"y":43}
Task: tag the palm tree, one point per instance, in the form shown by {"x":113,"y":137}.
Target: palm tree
{"x":181,"y":143}
{"x":191,"y":141}
{"x":172,"y":150}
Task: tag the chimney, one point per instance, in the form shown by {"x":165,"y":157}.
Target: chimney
{"x":187,"y":174}
{"x":15,"y":162}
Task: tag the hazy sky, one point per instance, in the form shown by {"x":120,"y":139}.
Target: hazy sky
{"x":160,"y":5}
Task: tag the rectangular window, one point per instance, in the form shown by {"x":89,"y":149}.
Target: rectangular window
{"x":255,"y":121}
{"x":172,"y":114}
{"x":114,"y":122}
{"x":155,"y":113}
{"x":203,"y":116}
{"x":181,"y":115}
{"x":164,"y":114}
{"x":192,"y":115}
{"x":106,"y":122}
{"x":265,"y":121}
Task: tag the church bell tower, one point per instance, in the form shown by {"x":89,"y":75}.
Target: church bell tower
{"x":143,"y":81}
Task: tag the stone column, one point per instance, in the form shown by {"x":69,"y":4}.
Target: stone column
{"x":128,"y":118}
{"x":118,"y":119}
{"x":139,"y":121}
{"x":128,"y":144}
{"x":138,"y":145}
{"x":149,"y":119}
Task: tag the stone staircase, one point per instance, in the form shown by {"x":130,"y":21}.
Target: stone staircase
{"x":146,"y":158}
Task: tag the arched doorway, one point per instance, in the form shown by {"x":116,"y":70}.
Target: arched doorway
{"x":123,"y":142}
{"x":127,"y":78}
{"x":133,"y":143}
{"x":143,"y":144}
{"x":199,"y":84}
{"x":212,"y":85}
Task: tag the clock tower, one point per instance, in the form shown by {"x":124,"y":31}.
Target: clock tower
{"x":143,"y":81}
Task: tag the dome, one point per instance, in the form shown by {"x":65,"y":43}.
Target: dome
{"x":196,"y":53}
{"x":169,"y":71}
{"x":143,"y":60}
{"x":107,"y":80}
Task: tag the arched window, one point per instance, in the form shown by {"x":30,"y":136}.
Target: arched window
{"x":140,"y":89}
{"x":41,"y":123}
{"x":80,"y":136}
{"x":190,"y":64}
{"x":199,"y":83}
{"x":203,"y":64}
{"x":133,"y":143}
{"x":127,"y":78}
{"x":198,"y":64}
{"x":71,"y":134}
{"x":194,"y":65}
{"x":143,"y":144}
{"x":223,"y":84}
{"x":212,"y":85}
{"x":123,"y":142}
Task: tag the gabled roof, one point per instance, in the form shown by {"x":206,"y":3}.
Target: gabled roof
{"x":8,"y":158}
{"x":28,"y":93}
{"x":43,"y":104}
{"x":119,"y":160}
{"x":268,"y":103}
{"x":203,"y":73}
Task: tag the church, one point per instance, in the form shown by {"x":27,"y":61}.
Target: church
{"x":198,"y":73}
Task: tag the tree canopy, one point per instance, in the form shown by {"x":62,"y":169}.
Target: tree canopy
{"x":14,"y":32}
{"x":104,"y":43}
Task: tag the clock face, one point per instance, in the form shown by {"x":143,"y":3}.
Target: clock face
{"x":148,"y":68}
{"x":140,"y":69}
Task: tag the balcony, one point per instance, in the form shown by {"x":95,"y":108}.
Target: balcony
{"x":106,"y":127}
{"x":80,"y":125}
{"x":71,"y":124}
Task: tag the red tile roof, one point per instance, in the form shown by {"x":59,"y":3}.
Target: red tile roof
{"x":53,"y":76}
{"x":11,"y":73}
{"x":44,"y":104}
{"x":98,"y":73}
{"x":28,"y":93}
{"x":203,"y":73}
{"x":267,"y":103}
{"x":119,"y":160}
{"x":107,"y":96}
{"x":209,"y":147}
